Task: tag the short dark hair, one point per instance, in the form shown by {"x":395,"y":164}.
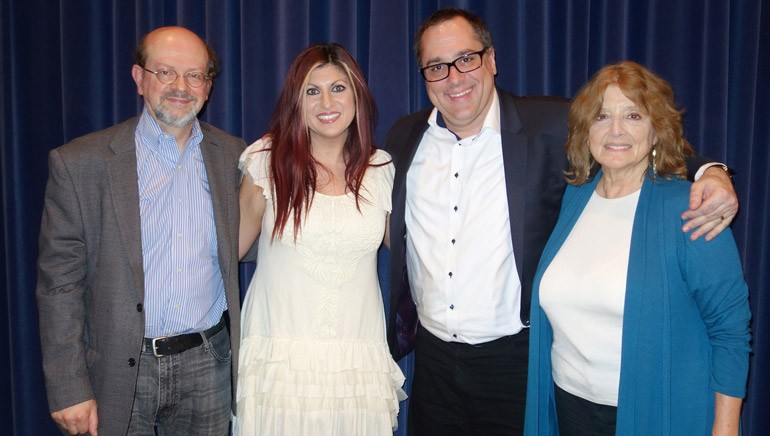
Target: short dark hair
{"x":212,"y":67}
{"x":442,"y":15}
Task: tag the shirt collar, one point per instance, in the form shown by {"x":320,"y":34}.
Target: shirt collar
{"x":491,"y":120}
{"x":150,"y":130}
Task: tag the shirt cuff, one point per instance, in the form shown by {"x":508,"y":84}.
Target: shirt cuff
{"x":704,"y":167}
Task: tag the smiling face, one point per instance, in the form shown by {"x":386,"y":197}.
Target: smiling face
{"x":175,"y":105}
{"x":462,"y":98}
{"x":621,"y":137}
{"x":328,"y":105}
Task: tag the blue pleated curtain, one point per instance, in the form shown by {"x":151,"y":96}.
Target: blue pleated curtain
{"x":65,"y":71}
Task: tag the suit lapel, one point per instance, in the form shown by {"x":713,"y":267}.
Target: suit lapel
{"x":514,"y":163}
{"x":124,"y":189}
{"x":216,"y":172}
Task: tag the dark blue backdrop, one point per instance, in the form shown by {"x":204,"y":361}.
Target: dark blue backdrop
{"x":65,"y":72}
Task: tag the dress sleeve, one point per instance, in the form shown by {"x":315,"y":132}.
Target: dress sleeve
{"x":255,"y":161}
{"x":383,"y":178}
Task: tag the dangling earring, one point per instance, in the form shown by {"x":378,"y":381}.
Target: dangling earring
{"x":654,"y":166}
{"x":590,"y":162}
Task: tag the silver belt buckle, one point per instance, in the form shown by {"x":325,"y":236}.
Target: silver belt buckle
{"x":155,"y":348}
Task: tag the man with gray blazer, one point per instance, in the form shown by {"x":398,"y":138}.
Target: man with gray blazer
{"x":138,"y":267}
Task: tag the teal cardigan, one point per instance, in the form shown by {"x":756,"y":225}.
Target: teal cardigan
{"x":685,"y":324}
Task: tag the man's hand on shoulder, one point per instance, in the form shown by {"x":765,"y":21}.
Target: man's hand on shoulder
{"x":713,"y":204}
{"x":78,"y":419}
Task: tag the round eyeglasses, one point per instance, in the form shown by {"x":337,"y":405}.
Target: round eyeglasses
{"x":464,"y":64}
{"x":195,"y":79}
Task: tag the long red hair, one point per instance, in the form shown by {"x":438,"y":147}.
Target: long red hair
{"x":292,"y":166}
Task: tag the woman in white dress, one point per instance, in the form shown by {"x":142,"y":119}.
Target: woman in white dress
{"x":314,"y":360}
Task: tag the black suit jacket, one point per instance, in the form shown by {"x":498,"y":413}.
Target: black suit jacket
{"x":534,"y":130}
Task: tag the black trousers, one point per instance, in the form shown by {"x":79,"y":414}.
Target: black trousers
{"x":462,"y":389}
{"x":580,"y":417}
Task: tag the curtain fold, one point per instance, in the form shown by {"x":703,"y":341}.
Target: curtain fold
{"x":66,"y":72}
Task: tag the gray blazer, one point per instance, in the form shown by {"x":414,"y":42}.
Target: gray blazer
{"x":90,"y":286}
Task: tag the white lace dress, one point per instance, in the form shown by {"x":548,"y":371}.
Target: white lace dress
{"x":313,"y":356}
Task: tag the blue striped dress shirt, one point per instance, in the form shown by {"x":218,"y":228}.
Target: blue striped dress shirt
{"x":184,"y":291}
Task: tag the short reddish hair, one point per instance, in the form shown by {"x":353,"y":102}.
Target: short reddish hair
{"x":652,"y":95}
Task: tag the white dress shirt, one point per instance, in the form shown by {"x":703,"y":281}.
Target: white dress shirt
{"x":460,"y":259}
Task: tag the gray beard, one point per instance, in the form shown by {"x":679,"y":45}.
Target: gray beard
{"x":182,"y":121}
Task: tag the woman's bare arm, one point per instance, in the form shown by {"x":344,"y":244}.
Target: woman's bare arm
{"x":252,"y":204}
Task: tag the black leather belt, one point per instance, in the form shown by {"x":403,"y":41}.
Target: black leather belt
{"x":168,"y":345}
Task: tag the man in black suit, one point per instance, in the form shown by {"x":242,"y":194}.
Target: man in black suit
{"x":478,"y":187}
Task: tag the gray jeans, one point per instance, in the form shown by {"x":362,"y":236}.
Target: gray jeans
{"x":187,"y":393}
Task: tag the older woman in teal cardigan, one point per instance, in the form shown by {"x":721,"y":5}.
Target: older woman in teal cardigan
{"x":636,"y":329}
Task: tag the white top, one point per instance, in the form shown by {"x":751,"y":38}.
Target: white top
{"x":460,"y":259}
{"x":583,"y":294}
{"x":314,"y":360}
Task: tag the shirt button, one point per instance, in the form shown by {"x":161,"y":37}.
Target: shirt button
{"x":452,"y":306}
{"x":139,"y":307}
{"x":455,"y":208}
{"x":131,"y":362}
{"x":454,"y":335}
{"x":457,"y":175}
{"x":453,"y":241}
{"x":450,"y":274}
